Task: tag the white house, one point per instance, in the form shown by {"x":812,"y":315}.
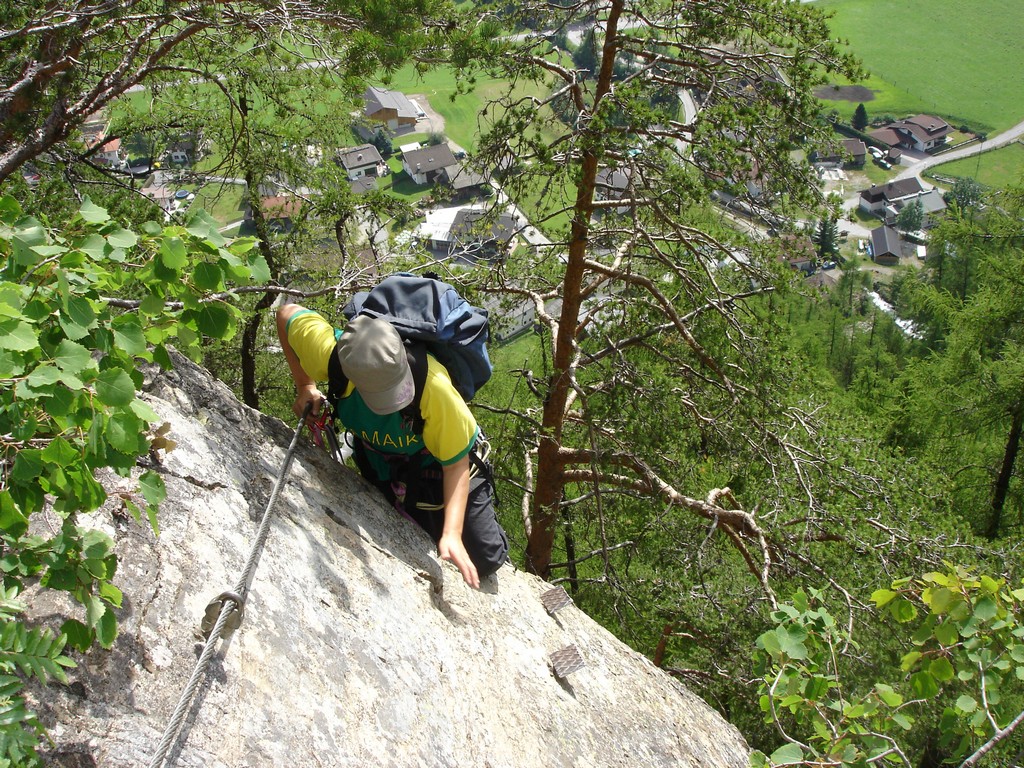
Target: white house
{"x":360,"y":161}
{"x":424,"y":164}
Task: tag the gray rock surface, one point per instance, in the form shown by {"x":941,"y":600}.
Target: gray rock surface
{"x":358,"y":647}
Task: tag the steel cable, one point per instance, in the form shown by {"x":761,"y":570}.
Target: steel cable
{"x":228,"y":606}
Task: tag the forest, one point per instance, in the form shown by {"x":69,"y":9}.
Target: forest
{"x":806,"y":512}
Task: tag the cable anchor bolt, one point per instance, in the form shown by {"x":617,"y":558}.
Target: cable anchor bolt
{"x":214,"y":609}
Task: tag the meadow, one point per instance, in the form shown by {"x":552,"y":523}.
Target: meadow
{"x":961,"y":61}
{"x":462,"y":112}
{"x":997,"y":169}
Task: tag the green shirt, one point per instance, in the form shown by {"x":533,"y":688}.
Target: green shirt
{"x":449,"y":429}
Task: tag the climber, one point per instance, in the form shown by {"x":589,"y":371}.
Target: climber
{"x":439,"y":478}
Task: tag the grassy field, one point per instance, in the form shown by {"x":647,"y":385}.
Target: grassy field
{"x":998,"y":168}
{"x":222,"y":201}
{"x":439,"y":87}
{"x":959,"y":60}
{"x":461,"y":111}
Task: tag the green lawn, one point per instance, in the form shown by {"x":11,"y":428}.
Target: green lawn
{"x":222,"y":201}
{"x":999,"y":168}
{"x":961,"y":61}
{"x":461,"y":112}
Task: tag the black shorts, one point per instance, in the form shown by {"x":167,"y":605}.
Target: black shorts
{"x":416,"y":489}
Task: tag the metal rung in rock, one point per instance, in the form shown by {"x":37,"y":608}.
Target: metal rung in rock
{"x":567,"y":661}
{"x":555,"y":600}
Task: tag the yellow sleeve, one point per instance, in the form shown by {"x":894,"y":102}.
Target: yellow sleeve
{"x":312,"y":338}
{"x":449,"y":429}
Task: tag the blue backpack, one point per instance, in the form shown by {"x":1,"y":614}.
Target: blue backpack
{"x":431,"y":316}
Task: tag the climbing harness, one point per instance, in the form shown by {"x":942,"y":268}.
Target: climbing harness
{"x":225,"y":611}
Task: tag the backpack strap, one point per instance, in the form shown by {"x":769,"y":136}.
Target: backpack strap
{"x":337,"y":381}
{"x":411,"y":414}
{"x":412,"y":417}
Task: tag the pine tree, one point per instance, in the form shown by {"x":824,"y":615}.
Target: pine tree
{"x":827,"y":238}
{"x":624,"y":291}
{"x":860,"y":118}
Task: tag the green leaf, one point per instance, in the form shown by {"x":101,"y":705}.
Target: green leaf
{"x":173,"y":253}
{"x":79,"y":636}
{"x":128,"y":336}
{"x":212,"y":320}
{"x":115,"y":387}
{"x":202,"y":226}
{"x":923,"y":685}
{"x":888,"y":695}
{"x":208,"y":277}
{"x":990,"y":585}
{"x":17,"y":336}
{"x":151,"y":512}
{"x":947,"y":633}
{"x":152,"y":305}
{"x":94,"y":610}
{"x":769,"y":642}
{"x":94,"y":246}
{"x":111,"y":594}
{"x":43,"y":375}
{"x":152,"y":487}
{"x":72,"y":357}
{"x":28,"y":466}
{"x":71,"y":381}
{"x":12,"y":522}
{"x":79,"y":310}
{"x":46,"y":251}
{"x":106,"y":629}
{"x":986,"y":609}
{"x":125,"y":433}
{"x":260,"y":270}
{"x":122,"y":238}
{"x":966,"y":704}
{"x":59,"y":452}
{"x":883,"y":597}
{"x":793,"y":643}
{"x":942,"y":670}
{"x":903,"y":610}
{"x":93,"y":213}
{"x":788,"y":754}
{"x":144,"y":411}
{"x":939,"y":599}
{"x":27,"y":237}
{"x":903,"y":721}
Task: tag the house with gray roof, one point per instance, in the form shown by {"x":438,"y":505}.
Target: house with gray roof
{"x":464,"y":181}
{"x":389,"y":107}
{"x":425,"y":164}
{"x":360,"y":161}
{"x":932,"y":203}
{"x":885,"y":246}
{"x":879,"y":197}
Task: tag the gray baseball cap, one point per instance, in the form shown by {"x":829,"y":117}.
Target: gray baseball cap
{"x":373,"y":358}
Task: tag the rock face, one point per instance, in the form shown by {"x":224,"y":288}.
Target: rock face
{"x":358,"y":646}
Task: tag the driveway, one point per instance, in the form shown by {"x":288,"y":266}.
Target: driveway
{"x":432,"y":122}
